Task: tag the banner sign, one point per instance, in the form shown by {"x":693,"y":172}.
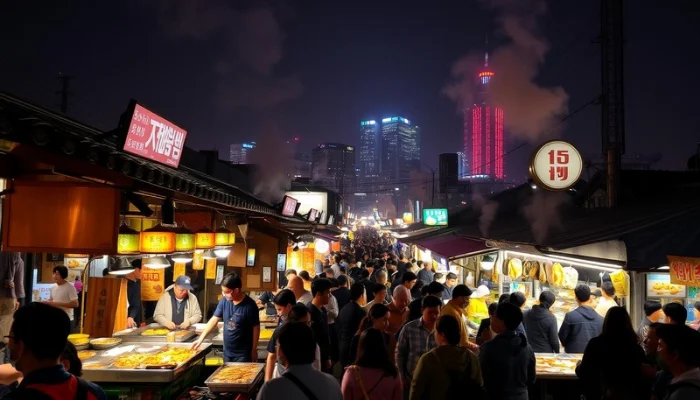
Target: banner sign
{"x":684,"y":270}
{"x":153,"y":137}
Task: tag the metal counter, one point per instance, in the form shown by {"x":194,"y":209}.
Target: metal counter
{"x":136,"y":335}
{"x":565,"y":370}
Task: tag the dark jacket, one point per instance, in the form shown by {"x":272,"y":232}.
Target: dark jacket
{"x":611,"y":369}
{"x":319,"y":325}
{"x":541,"y":330}
{"x":426,"y":276}
{"x":579,"y":327}
{"x":342,"y":296}
{"x":349,"y":322}
{"x":686,"y":389}
{"x":508,"y":366}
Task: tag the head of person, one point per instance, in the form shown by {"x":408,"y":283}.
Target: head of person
{"x":401,"y":297}
{"x":409,"y":280}
{"x":379,"y":292}
{"x":136,"y":263}
{"x":654,"y":311}
{"x":328,"y":272}
{"x":343,"y":270}
{"x":675,"y":313}
{"x":305,"y":276}
{"x":336,"y":259}
{"x":288,"y":274}
{"x":299,"y":313}
{"x":365,"y":273}
{"x":696,"y":310}
{"x":482,"y":292}
{"x":231,"y":287}
{"x":334,"y":284}
{"x":607,"y":290}
{"x":60,"y":273}
{"x":381,"y":277}
{"x":547,"y":299}
{"x":451,"y":280}
{"x":651,"y":341}
{"x":435,"y":289}
{"x":377,"y":318}
{"x":373,"y":353}
{"x":182,"y":286}
{"x":518,"y":298}
{"x":296,"y":344}
{"x":507,"y":318}
{"x":503,"y":297}
{"x":447,"y":331}
{"x":430,"y":309}
{"x":284,"y":300}
{"x":321,"y":290}
{"x":439,"y":277}
{"x":461,"y":296}
{"x":369,"y":268}
{"x":583,"y":295}
{"x":428,"y":266}
{"x":296,"y":285}
{"x":343,"y":281}
{"x":679,"y":348}
{"x":31,"y":344}
{"x":618,"y":326}
{"x":358,"y":293}
{"x":70,"y":360}
{"x":492,"y":309}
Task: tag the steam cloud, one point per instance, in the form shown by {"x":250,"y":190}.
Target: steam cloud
{"x":272,"y":162}
{"x":489,"y":209}
{"x":253,"y":47}
{"x":532,"y":112}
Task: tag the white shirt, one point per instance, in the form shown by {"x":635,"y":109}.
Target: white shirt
{"x":322,"y":385}
{"x":336,"y":270}
{"x":64,"y":293}
{"x":305,"y":298}
{"x":331,"y":310}
{"x":604,"y":305}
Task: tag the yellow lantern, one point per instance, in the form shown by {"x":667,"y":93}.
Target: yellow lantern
{"x":128,"y":240}
{"x":231,"y":239}
{"x":205,"y":239}
{"x":184,"y":239}
{"x":222,"y":237}
{"x":157,"y":240}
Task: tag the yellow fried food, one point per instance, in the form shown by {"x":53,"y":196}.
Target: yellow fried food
{"x":85,"y":354}
{"x":105,"y":341}
{"x":172,"y":356}
{"x":155,"y":332}
{"x":95,"y":365}
{"x":238,"y":374}
{"x":131,"y":361}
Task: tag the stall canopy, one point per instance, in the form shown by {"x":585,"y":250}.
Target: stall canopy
{"x":452,"y":245}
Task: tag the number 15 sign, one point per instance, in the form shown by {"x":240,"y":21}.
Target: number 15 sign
{"x":556,"y":165}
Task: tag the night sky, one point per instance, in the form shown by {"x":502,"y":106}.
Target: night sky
{"x":232,"y":71}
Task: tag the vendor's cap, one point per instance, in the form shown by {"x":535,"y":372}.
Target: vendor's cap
{"x":184,"y":282}
{"x":461,"y":290}
{"x":482,"y":291}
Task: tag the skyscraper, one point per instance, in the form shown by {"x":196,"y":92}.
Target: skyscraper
{"x":483,"y":131}
{"x":333,"y":167}
{"x":462,"y":166}
{"x":370,"y":148}
{"x":240,"y":153}
{"x":400,"y":150}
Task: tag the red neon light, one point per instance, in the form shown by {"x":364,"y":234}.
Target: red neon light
{"x":476,"y":141}
{"x":500,"y":174}
{"x":488,"y":161}
{"x":465,"y":133}
{"x":485,"y":73}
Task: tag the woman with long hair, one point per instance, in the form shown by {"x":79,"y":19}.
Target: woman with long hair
{"x":373,"y":376}
{"x":612,"y":362}
{"x":377,"y":318}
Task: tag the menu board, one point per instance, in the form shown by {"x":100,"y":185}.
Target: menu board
{"x":659,"y":285}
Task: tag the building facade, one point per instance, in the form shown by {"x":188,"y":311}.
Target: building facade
{"x":333,"y":167}
{"x":239,"y":153}
{"x":483,"y":132}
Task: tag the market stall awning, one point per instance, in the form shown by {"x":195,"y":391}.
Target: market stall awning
{"x":452,"y":246}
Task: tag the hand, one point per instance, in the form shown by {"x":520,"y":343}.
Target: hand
{"x":185,"y":325}
{"x":198,"y":343}
{"x":170,"y":325}
{"x":16,"y":305}
{"x":130,"y":323}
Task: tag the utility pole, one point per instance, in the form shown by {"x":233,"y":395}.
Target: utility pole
{"x":64,"y":91}
{"x":612,"y":99}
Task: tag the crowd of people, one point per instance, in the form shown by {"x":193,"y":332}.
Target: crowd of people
{"x":385,"y":328}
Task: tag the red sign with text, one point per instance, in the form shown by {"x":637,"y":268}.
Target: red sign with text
{"x":289,"y":206}
{"x":155,"y":138}
{"x":684,"y":270}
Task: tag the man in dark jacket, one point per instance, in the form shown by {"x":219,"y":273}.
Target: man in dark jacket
{"x":581,"y":324}
{"x":349,"y":321}
{"x":342,"y":294}
{"x":541,"y":326}
{"x":507,"y":361}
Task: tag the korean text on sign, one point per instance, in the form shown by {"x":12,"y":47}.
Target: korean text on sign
{"x":155,"y":138}
{"x":684,"y":270}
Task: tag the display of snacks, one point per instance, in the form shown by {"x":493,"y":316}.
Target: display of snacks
{"x":104,"y":343}
{"x":86,"y":354}
{"x":666,"y":288}
{"x":562,"y":365}
{"x":95,"y":365}
{"x":164,"y":358}
{"x":79,"y":339}
{"x":241,"y":374}
{"x":156,"y":332}
{"x":266,"y":334}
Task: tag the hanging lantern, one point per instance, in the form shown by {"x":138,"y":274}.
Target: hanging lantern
{"x":222,"y":237}
{"x":184,"y":239}
{"x":231,"y":239}
{"x":157,"y":240}
{"x":205,"y":239}
{"x":128,"y":240}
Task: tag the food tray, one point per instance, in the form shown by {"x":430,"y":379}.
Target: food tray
{"x":97,"y":346}
{"x":556,"y":372}
{"x":135,"y":335}
{"x":219,"y":387}
{"x":109,"y":373}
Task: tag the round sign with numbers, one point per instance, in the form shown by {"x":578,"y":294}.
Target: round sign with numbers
{"x":556,"y":165}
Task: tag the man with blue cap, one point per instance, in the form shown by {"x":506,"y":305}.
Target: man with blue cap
{"x":178,"y":308}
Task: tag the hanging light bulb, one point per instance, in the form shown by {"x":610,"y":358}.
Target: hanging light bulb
{"x":183,"y":258}
{"x":157,"y":262}
{"x":222,"y":252}
{"x":121,"y":267}
{"x":209,"y":255}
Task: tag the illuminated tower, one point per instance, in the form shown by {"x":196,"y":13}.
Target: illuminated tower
{"x":483,"y":131}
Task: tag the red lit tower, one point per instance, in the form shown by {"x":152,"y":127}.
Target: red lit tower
{"x":483,"y":131}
